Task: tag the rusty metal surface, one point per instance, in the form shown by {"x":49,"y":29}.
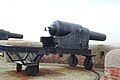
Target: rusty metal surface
{"x":48,"y":71}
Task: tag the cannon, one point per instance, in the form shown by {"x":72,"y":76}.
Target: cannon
{"x":65,"y":38}
{"x":70,"y":36}
{"x":5,"y":35}
{"x":60,"y":28}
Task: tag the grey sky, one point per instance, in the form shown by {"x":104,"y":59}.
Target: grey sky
{"x":29,"y":17}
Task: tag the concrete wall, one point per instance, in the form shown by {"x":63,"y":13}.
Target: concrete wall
{"x":112,"y":65}
{"x":100,"y":51}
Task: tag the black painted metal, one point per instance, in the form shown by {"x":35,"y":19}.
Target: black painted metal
{"x":19,"y":67}
{"x":60,"y":28}
{"x":71,"y":36}
{"x":72,"y":61}
{"x":41,"y":50}
{"x":10,"y":56}
{"x":31,"y":70}
{"x":5,"y":35}
{"x":88,"y":63}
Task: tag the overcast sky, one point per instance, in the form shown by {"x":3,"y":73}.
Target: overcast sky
{"x":29,"y":17}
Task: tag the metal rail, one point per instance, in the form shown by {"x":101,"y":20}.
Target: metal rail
{"x":97,"y":74}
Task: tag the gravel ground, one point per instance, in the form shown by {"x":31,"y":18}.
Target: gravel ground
{"x":48,"y":71}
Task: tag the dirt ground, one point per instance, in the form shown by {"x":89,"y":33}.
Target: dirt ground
{"x":48,"y":71}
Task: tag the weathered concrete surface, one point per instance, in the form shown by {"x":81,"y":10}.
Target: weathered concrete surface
{"x":100,"y":51}
{"x":112,"y":58}
{"x":112,"y":65}
{"x":48,"y":71}
{"x":21,"y":43}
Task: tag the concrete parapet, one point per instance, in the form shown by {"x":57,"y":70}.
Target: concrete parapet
{"x":112,"y":65}
{"x":100,"y":51}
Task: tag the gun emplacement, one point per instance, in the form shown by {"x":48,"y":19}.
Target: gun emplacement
{"x":65,"y":38}
{"x":71,"y":36}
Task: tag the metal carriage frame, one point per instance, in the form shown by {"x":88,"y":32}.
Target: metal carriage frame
{"x":33,"y":65}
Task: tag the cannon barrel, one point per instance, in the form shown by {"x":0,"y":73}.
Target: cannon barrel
{"x":96,"y":36}
{"x":60,"y":28}
{"x":5,"y":35}
{"x":15,"y":35}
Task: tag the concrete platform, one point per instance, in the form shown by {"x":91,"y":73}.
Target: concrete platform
{"x":49,"y":71}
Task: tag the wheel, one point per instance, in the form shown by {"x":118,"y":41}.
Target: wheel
{"x":31,"y":70}
{"x":88,"y":63}
{"x":19,"y":67}
{"x":72,"y":61}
